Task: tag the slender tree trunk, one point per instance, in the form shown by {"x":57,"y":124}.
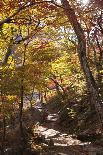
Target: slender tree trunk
{"x":31,"y":99}
{"x":97,"y":60}
{"x":83,"y":60}
{"x":39,"y":95}
{"x":12,"y":119}
{"x":41,"y":99}
{"x":21,"y":108}
{"x":23,"y":141}
{"x":45,"y":96}
{"x":4,"y":125}
{"x":22,"y":136}
{"x":99,"y":63}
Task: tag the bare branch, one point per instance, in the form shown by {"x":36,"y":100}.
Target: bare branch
{"x":15,"y":43}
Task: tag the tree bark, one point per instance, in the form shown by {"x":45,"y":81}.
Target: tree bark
{"x":83,"y":60}
{"x":31,"y":98}
{"x":21,"y":108}
{"x":23,"y":141}
{"x":4,"y":125}
{"x":99,"y":63}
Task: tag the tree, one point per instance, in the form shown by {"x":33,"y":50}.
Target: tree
{"x":52,"y":41}
{"x":83,"y":60}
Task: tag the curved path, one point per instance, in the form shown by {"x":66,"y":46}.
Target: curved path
{"x":58,"y":142}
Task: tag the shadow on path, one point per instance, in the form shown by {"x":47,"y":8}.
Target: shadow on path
{"x":62,"y":142}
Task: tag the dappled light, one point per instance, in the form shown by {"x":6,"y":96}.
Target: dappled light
{"x":51,"y":77}
{"x":85,"y":1}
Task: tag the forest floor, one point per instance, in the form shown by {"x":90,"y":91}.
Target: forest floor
{"x":59,"y":142}
{"x":48,"y":137}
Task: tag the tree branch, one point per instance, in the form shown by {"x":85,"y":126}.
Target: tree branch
{"x":23,"y":7}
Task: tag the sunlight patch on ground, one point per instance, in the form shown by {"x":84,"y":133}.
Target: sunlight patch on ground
{"x":85,"y":2}
{"x":49,"y":132}
{"x":46,"y":131}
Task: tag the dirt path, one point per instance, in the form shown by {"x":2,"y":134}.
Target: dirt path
{"x":58,"y":142}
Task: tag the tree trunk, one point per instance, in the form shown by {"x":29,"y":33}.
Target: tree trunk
{"x":83,"y":60}
{"x":45,"y":96}
{"x":4,"y":125}
{"x":99,"y":63}
{"x":31,"y":98}
{"x":23,"y":141}
{"x":21,"y":109}
{"x":22,"y":133}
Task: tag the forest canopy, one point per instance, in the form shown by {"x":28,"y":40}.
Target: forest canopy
{"x":53,"y":47}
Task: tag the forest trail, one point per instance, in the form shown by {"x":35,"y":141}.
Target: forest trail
{"x":59,"y":142}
